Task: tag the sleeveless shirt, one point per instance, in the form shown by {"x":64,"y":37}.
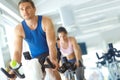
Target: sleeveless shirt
{"x":36,"y":39}
{"x":68,"y":50}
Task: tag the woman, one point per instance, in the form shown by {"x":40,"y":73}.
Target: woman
{"x":70,"y":49}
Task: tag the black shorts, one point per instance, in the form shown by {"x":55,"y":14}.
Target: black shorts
{"x":41,"y":60}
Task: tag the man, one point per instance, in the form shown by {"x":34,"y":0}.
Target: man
{"x":38,"y":32}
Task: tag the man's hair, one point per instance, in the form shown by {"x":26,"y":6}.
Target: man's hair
{"x":30,"y":1}
{"x":62,"y":29}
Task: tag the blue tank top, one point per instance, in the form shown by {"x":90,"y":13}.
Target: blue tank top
{"x":36,"y":39}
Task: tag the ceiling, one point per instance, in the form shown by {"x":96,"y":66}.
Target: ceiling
{"x":95,"y":22}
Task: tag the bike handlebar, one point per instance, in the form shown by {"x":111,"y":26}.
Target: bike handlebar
{"x":98,"y":56}
{"x":118,"y":53}
{"x":49,"y":65}
{"x":7,"y":74}
{"x":65,"y":66}
{"x":112,"y":52}
{"x":109,"y":56}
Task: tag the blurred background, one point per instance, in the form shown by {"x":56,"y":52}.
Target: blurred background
{"x":94,"y":23}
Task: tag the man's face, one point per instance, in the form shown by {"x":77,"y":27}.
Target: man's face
{"x":26,"y":10}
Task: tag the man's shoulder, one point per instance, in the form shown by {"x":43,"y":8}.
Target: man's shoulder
{"x":18,"y":28}
{"x":46,"y":21}
{"x":46,"y":18}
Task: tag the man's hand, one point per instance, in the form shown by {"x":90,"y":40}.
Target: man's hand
{"x":12,"y":73}
{"x":55,"y":62}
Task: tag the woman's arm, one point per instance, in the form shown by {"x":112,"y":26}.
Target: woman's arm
{"x":77,"y":50}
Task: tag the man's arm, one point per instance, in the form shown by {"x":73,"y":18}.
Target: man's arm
{"x":51,"y":38}
{"x":17,"y":46}
{"x":18,"y":40}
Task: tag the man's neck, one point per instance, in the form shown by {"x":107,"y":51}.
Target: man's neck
{"x":32,"y":23}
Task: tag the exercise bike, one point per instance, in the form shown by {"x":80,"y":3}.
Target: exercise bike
{"x":110,"y":61}
{"x":31,"y":66}
{"x":66,"y":66}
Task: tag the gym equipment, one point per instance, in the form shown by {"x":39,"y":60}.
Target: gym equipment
{"x":7,"y":74}
{"x":27,"y":55}
{"x":66,"y":65}
{"x":110,"y":61}
{"x":16,"y":68}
